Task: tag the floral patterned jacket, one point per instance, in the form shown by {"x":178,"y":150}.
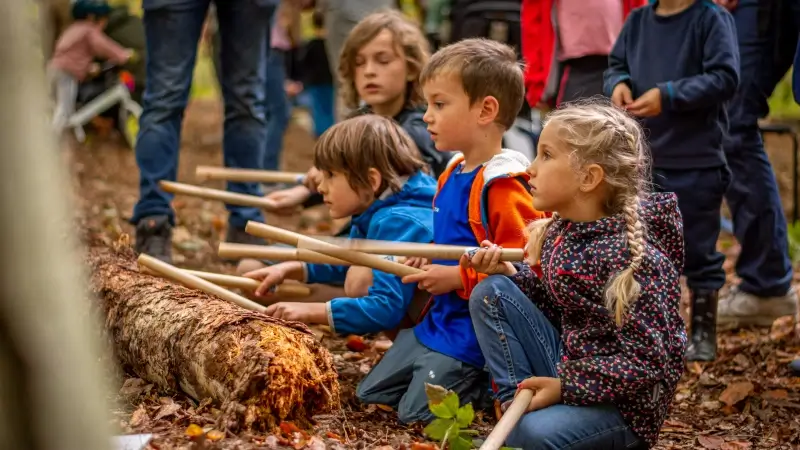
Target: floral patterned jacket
{"x":637,"y":366}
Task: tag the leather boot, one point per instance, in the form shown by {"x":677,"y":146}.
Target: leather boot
{"x":703,"y":340}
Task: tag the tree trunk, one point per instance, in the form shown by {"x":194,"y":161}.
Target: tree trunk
{"x":259,"y":369}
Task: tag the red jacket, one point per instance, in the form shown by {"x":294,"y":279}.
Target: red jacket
{"x":539,"y":44}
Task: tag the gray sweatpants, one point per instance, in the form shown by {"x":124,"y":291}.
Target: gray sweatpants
{"x":66,"y":89}
{"x":399,"y":379}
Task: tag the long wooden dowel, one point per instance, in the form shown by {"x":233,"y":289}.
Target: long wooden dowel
{"x":249,"y":284}
{"x":354,"y":257}
{"x":236,"y":251}
{"x":195,"y":282}
{"x":498,"y":436}
{"x":205,"y":173}
{"x":231,"y":198}
{"x":412,"y":249}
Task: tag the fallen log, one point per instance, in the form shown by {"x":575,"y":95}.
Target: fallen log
{"x":259,"y":369}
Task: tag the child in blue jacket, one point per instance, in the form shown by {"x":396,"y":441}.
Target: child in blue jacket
{"x":372,"y":171}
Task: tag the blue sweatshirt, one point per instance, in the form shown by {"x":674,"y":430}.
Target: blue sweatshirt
{"x":403,"y":216}
{"x":692,"y":57}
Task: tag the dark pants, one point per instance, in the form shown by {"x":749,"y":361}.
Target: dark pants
{"x":323,"y":106}
{"x":172,"y":29}
{"x":581,"y":78}
{"x":759,"y":223}
{"x":278,"y":111}
{"x":700,"y":193}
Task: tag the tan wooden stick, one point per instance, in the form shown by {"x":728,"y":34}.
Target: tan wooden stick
{"x":231,"y":198}
{"x":498,"y":436}
{"x":412,"y":249}
{"x":286,"y":289}
{"x":205,"y":173}
{"x":192,"y":281}
{"x":354,"y":257}
{"x":233,"y":251}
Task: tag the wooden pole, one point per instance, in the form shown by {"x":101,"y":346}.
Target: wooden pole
{"x":287,"y":289}
{"x":229,"y":250}
{"x":230,"y":198}
{"x":354,"y":257}
{"x":205,"y":173}
{"x":412,"y":249}
{"x":506,"y":424}
{"x":189,"y":280}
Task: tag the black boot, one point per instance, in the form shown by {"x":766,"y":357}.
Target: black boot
{"x":703,"y":341}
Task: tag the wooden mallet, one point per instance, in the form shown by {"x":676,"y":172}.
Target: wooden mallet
{"x":230,"y":198}
{"x":205,"y":173}
{"x":353,"y":257}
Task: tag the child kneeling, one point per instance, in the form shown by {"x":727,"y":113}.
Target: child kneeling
{"x":371,"y":170}
{"x":593,"y":325}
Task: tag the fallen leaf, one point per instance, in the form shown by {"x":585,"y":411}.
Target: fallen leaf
{"x":356,"y":343}
{"x":215,"y":435}
{"x":139,"y":417}
{"x":194,"y":431}
{"x":386,"y":408}
{"x":424,"y":446}
{"x":132,"y":387}
{"x":781,"y":328}
{"x":384,"y":447}
{"x":735,"y":445}
{"x":777,"y":394}
{"x":736,"y":392}
{"x":167,"y":410}
{"x":710,"y":442}
{"x":334,"y":436}
{"x":288,"y":428}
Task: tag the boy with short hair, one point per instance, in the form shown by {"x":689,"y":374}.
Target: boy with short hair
{"x":474,"y":90}
{"x":681,"y":102}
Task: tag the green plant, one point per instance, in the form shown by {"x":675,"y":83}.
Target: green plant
{"x":452,"y":421}
{"x":794,"y":242}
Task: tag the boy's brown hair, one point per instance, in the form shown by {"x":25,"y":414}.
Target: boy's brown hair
{"x":485,"y":67}
{"x":355,"y":145}
{"x":407,"y":37}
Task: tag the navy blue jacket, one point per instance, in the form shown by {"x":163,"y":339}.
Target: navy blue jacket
{"x":693,"y":59}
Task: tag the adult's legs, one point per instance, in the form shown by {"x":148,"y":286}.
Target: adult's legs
{"x":322,"y":107}
{"x":759,"y":223}
{"x":172,"y":30}
{"x":277,"y":109}
{"x":519,"y":342}
{"x":244,"y":31}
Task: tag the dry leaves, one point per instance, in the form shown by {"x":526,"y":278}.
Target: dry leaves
{"x":736,"y":392}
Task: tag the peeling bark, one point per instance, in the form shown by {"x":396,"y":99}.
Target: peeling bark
{"x":259,"y":369}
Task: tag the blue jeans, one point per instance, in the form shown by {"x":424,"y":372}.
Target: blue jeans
{"x":323,"y":107}
{"x":519,"y":342}
{"x":171,"y":55}
{"x":277,"y":109}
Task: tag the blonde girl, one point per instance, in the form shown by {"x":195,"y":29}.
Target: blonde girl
{"x":590,"y":322}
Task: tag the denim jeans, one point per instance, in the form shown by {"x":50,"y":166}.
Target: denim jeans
{"x":277,"y":109}
{"x":323,"y":107}
{"x":519,"y":342}
{"x":172,"y":29}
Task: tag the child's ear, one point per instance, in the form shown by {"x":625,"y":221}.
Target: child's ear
{"x":591,"y":177}
{"x":375,"y":180}
{"x":490,"y":107}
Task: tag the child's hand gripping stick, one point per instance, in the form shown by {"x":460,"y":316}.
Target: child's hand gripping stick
{"x":351,"y":256}
{"x":205,"y":173}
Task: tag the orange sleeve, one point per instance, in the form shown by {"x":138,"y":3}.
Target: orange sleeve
{"x":510,"y":211}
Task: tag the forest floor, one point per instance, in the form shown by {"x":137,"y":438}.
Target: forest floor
{"x":744,"y":400}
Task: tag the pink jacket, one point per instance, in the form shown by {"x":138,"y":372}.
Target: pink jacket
{"x":79,"y":45}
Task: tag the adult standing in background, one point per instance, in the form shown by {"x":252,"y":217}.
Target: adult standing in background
{"x":767,"y":33}
{"x":172,"y":30}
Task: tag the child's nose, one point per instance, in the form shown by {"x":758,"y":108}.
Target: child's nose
{"x":427,"y":117}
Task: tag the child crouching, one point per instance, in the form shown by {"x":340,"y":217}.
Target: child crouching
{"x":372,"y":171}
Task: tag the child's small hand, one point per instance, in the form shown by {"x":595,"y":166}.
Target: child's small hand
{"x":313,"y":179}
{"x":287,"y":200}
{"x":436,"y":279}
{"x":358,"y":281}
{"x":487,"y":260}
{"x":94,"y":69}
{"x":622,"y":95}
{"x":647,"y":105}
{"x":546,"y":392}
{"x":417,"y":262}
{"x":133,"y":56}
{"x":270,"y":277}
{"x":297,"y":312}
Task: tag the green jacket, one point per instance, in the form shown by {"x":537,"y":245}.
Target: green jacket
{"x":128,"y":31}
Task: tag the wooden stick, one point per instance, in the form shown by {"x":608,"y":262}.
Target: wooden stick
{"x":285,"y":289}
{"x":205,"y":173}
{"x":234,"y":251}
{"x":230,"y":198}
{"x":413,"y":249}
{"x":498,"y":436}
{"x":354,"y":257}
{"x":192,"y":281}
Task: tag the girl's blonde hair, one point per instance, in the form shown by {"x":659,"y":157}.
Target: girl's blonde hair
{"x":406,"y":36}
{"x":600,"y":133}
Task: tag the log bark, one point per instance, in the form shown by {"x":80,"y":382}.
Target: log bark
{"x":261,"y":370}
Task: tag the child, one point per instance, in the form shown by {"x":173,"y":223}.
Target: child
{"x":75,"y":53}
{"x":595,"y":329}
{"x":379,"y":66}
{"x":474,"y":89}
{"x":316,"y":77}
{"x":681,"y":100}
{"x":372,"y":171}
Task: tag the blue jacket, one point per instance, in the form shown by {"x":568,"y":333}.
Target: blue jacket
{"x":403,"y":216}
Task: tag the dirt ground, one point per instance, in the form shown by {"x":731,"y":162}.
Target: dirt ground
{"x":744,"y":400}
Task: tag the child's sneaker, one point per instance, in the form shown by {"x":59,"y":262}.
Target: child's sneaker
{"x":154,"y":237}
{"x":741,"y":309}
